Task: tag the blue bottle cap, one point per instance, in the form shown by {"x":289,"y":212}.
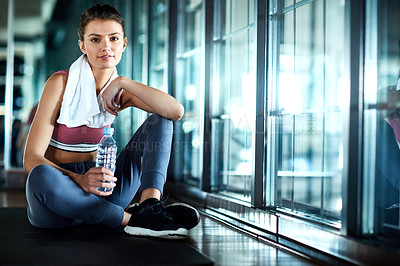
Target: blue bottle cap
{"x":108,"y":131}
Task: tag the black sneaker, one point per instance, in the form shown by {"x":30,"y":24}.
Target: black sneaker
{"x":184,"y":214}
{"x":150,"y":219}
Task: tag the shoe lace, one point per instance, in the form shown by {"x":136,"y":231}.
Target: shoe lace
{"x":164,"y":199}
{"x":158,"y":208}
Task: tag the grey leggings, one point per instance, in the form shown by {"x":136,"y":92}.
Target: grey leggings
{"x":55,"y":201}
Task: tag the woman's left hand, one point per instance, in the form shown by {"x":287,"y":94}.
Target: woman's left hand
{"x":112,"y":97}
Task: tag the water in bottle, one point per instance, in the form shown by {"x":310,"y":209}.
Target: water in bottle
{"x":106,"y":154}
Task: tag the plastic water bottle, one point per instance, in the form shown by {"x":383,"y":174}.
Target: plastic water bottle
{"x":106,"y":154}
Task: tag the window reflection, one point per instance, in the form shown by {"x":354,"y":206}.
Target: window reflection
{"x":233,"y":98}
{"x":305,"y":118}
{"x":387,"y":91}
{"x":188,"y":134}
{"x":158,"y":53}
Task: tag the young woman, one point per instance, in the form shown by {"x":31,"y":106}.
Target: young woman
{"x":60,"y":153}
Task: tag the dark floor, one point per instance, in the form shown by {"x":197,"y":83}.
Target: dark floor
{"x":222,"y":244}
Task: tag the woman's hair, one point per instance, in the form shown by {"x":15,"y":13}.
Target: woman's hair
{"x":99,"y":12}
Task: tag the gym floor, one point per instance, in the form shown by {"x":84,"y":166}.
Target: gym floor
{"x":224,"y":245}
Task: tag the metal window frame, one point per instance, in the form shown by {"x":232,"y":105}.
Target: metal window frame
{"x":372,"y":218}
{"x":208,"y":51}
{"x":261,"y":59}
{"x":146,"y":46}
{"x":172,"y":40}
{"x":353,"y":122}
{"x":8,"y":116}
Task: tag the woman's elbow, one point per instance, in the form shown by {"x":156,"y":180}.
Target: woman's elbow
{"x":28,"y":162}
{"x":26,"y":166}
{"x":179,"y":112}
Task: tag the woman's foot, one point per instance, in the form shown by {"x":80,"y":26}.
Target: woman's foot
{"x":149,"y":218}
{"x":182,"y":213}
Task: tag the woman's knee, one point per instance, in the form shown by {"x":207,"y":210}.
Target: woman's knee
{"x":165,"y":124}
{"x":156,"y":129}
{"x":41,"y":176}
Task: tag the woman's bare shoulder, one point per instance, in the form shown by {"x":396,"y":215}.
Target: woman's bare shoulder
{"x":52,"y":94}
{"x":55,"y":84}
{"x":60,"y":76}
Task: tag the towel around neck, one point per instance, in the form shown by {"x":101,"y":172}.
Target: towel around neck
{"x":80,"y":104}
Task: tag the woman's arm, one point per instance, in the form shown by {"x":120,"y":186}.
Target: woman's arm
{"x":43,"y":124}
{"x":127,"y":92}
{"x":40,"y":134}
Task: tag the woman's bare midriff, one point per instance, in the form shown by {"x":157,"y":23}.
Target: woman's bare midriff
{"x":59,"y":156}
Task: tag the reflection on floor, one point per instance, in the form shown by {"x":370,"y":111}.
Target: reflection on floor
{"x":225,"y":246}
{"x":222,"y":244}
{"x":12,"y":198}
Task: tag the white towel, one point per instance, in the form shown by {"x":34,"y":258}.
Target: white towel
{"x":80,"y":105}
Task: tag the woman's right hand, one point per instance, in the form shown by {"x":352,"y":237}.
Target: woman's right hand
{"x":91,"y":180}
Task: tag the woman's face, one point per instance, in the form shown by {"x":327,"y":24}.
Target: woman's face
{"x":103,"y":43}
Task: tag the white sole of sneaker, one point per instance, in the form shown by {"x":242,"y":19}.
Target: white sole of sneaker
{"x":169,"y":234}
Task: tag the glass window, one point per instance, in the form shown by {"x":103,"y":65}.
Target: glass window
{"x":123,"y":122}
{"x":158,"y":54}
{"x":17,"y":83}
{"x":304,"y":124}
{"x":3,"y":79}
{"x":233,"y":98}
{"x":382,"y":113}
{"x":139,"y":53}
{"x":190,"y":92}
